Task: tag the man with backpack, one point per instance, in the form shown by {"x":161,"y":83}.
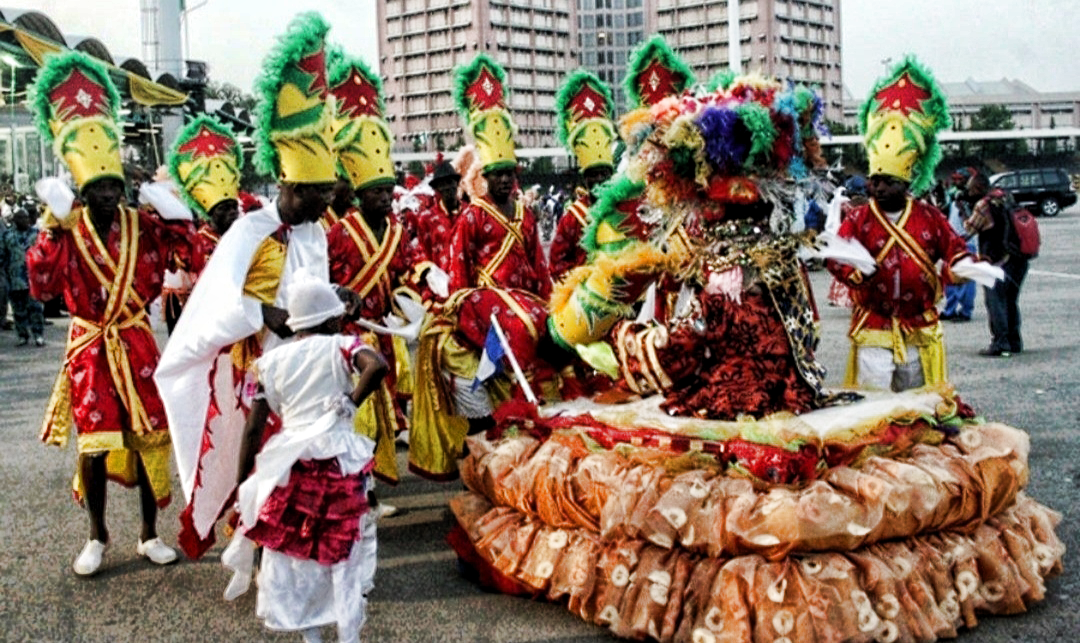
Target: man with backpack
{"x":992,"y":220}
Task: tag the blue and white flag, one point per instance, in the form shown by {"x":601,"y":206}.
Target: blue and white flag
{"x":491,"y":360}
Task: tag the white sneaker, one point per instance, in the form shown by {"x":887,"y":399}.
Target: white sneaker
{"x":157,"y":551}
{"x":89,"y":559}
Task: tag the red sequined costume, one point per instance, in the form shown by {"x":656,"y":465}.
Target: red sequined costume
{"x":107,"y":381}
{"x":896,"y":305}
{"x":566,"y":252}
{"x":375,"y":268}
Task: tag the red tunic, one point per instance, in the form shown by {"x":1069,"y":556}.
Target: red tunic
{"x":487,"y":249}
{"x":566,"y":252}
{"x":374,"y":268}
{"x":57,"y":266}
{"x":905,"y":284}
{"x":205,"y":242}
{"x":433,"y":229}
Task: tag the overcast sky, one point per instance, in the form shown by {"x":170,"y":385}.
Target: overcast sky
{"x":1030,"y":40}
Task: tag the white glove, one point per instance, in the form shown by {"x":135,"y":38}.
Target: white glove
{"x":438,"y":281}
{"x":160,"y":196}
{"x":980,"y":272}
{"x":848,"y":252}
{"x":55,"y":193}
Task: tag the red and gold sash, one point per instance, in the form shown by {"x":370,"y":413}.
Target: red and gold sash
{"x":377,"y":261}
{"x":486,"y":276}
{"x":124,"y":309}
{"x":899,"y":236}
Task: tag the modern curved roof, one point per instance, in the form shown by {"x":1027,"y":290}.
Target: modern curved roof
{"x":35,"y":22}
{"x":38,"y":26}
{"x":92,"y":46}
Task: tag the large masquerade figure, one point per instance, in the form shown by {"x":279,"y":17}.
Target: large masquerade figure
{"x":736,"y":500}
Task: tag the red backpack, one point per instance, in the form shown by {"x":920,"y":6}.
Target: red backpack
{"x":1021,"y":234}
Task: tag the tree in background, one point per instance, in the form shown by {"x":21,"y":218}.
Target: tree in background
{"x":995,"y":118}
{"x":231,"y":93}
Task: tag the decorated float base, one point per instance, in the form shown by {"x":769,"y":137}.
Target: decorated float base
{"x":663,"y":533}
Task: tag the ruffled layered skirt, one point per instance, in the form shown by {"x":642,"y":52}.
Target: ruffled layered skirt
{"x":659,"y":540}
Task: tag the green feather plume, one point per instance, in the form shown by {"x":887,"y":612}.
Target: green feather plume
{"x":570,"y":88}
{"x":306,"y":33}
{"x":464,"y":75}
{"x":721,"y":80}
{"x":933,"y":118}
{"x":339,"y":66}
{"x":655,"y":47}
{"x":757,"y":120}
{"x":55,"y":70}
{"x":616,"y":190}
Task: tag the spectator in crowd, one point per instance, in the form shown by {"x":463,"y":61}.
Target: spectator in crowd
{"x":28,"y":312}
{"x":988,"y":220}
{"x":960,"y":297}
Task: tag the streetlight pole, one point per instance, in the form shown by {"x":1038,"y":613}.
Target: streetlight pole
{"x":12,"y":64}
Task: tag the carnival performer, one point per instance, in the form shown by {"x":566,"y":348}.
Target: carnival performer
{"x":236,"y":310}
{"x":343,"y":199}
{"x":368,"y":248}
{"x":303,"y":496}
{"x":584,"y":108}
{"x":204,"y":164}
{"x":897,"y":340}
{"x":107,"y":261}
{"x":434,"y":224}
{"x":767,"y":508}
{"x":497,"y":267}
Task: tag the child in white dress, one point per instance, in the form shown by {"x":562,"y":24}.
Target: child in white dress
{"x":305,"y":500}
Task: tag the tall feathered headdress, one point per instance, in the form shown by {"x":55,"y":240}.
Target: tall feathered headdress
{"x":362,"y":138}
{"x":205,"y":163}
{"x":585,"y":108}
{"x":293,"y":125}
{"x":480,"y":96}
{"x":900,"y":121}
{"x":75,"y":106}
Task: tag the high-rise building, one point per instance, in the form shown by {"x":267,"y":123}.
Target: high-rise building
{"x":787,"y":39}
{"x":421,"y":41}
{"x":607,"y":31}
{"x":540,"y":41}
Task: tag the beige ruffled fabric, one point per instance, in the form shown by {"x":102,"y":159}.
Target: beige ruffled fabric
{"x":652,"y":544}
{"x":645,"y":494}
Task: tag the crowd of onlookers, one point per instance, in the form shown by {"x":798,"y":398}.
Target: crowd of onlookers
{"x":18,"y":231}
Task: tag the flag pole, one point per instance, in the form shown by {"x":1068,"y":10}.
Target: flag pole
{"x":513,"y":361}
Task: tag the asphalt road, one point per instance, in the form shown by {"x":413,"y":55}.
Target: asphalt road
{"x":419,"y":596}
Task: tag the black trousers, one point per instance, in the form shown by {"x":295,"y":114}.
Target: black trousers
{"x":1002,"y":307}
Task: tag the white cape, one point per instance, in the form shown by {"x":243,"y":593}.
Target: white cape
{"x":216,"y":316}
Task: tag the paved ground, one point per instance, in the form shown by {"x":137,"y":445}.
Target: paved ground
{"x":418,"y":595}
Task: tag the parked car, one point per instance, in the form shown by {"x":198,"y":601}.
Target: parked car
{"x":1049,"y":189}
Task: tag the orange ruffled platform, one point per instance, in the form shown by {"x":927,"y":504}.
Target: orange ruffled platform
{"x":671,"y":547}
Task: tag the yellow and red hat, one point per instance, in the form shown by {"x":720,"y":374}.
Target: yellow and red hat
{"x":479,"y":93}
{"x":585,"y":108}
{"x":362,"y":138}
{"x":75,"y":106}
{"x":900,"y":121}
{"x":293,"y":127}
{"x":205,"y":163}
